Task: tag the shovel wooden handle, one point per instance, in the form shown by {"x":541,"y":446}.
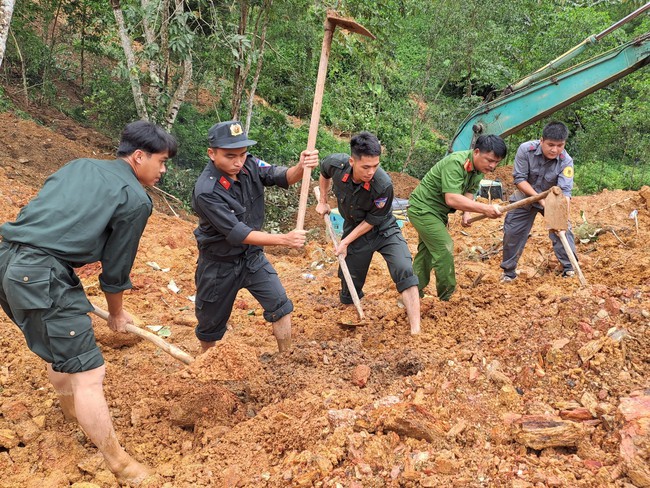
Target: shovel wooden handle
{"x":165,"y":346}
{"x":342,"y":263}
{"x":512,"y":206}
{"x":572,"y":257}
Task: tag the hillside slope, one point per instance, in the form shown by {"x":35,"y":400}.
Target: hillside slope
{"x":441,"y":409}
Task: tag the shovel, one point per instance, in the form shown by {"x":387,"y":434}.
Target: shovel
{"x":344,"y":267}
{"x":556,"y":216}
{"x":518,"y":204}
{"x":333,"y":20}
{"x":165,"y":346}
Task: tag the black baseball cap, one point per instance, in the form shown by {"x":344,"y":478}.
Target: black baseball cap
{"x":228,"y":135}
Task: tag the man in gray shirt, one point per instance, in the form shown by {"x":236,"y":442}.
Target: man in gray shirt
{"x":89,"y":210}
{"x":539,"y":165}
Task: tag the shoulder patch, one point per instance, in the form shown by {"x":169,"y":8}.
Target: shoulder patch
{"x":381,"y":202}
{"x":568,"y":172}
{"x":263,"y":164}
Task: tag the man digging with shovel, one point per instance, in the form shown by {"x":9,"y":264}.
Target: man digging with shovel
{"x":539,"y":165}
{"x":365,"y":195}
{"x":88,"y":211}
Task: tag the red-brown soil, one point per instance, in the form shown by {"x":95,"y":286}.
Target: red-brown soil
{"x":438,"y":410}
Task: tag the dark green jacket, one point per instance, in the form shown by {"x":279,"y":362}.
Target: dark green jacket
{"x":89,"y":210}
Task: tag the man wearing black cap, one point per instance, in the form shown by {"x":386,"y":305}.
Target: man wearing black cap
{"x":229,"y":200}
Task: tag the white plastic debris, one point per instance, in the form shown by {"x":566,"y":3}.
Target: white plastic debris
{"x":172,"y":286}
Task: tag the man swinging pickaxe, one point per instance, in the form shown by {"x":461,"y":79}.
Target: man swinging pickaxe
{"x":333,"y":20}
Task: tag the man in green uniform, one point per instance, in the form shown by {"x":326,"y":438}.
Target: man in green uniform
{"x":89,"y":210}
{"x":449,"y":186}
{"x":364,"y":193}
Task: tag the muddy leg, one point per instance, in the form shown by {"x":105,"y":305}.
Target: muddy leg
{"x":63,"y":388}
{"x":207,"y":345}
{"x":94,"y":418}
{"x":282,"y":333}
{"x":411,"y":299}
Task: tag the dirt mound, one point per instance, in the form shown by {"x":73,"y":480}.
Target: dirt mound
{"x":464,"y":404}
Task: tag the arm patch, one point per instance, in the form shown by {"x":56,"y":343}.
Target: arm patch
{"x":568,"y":172}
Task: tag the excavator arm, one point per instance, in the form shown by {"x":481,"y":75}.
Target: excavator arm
{"x":518,"y":108}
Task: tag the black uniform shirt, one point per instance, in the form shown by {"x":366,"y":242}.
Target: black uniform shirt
{"x":229,"y":210}
{"x":89,"y":210}
{"x":357,"y":202}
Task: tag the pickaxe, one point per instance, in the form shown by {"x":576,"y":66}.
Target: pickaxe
{"x":333,"y":20}
{"x":556,"y":216}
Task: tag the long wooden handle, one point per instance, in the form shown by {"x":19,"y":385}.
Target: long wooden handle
{"x":315,"y":118}
{"x":165,"y":346}
{"x":512,"y":206}
{"x":572,"y":258}
{"x":342,"y":263}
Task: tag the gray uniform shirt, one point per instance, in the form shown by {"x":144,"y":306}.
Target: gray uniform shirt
{"x":89,"y":210}
{"x":542,"y":174}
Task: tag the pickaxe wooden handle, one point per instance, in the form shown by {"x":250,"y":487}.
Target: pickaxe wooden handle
{"x":512,"y":206}
{"x":165,"y":346}
{"x":342,"y":263}
{"x":556,"y":217}
{"x":331,"y":22}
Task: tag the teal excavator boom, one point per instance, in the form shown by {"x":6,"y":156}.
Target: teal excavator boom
{"x":532,"y":99}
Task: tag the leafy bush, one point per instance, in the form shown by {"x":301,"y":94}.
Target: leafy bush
{"x":109,"y":103}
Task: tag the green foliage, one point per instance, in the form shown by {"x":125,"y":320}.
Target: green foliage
{"x":594,"y":176}
{"x":109,"y":103}
{"x":431,"y":64}
{"x":5,"y":102}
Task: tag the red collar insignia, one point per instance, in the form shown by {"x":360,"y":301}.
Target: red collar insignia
{"x":366,"y":186}
{"x":345,"y":178}
{"x":468,"y":165}
{"x":224,"y":182}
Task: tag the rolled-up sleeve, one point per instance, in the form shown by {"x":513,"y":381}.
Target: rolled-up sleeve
{"x":377,"y":215}
{"x":223,"y":217}
{"x":121,"y":248}
{"x":326,"y":169}
{"x":522,"y":165}
{"x":565,"y":178}
{"x":274,"y":176}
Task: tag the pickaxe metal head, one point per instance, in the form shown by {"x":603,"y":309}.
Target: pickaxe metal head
{"x":348,"y":24}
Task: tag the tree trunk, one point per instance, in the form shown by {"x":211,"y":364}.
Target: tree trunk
{"x":179,"y":94}
{"x":258,"y":69}
{"x":154,"y":65}
{"x":6,"y":11}
{"x":184,"y":85}
{"x":138,"y":98}
{"x":239,"y":78}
